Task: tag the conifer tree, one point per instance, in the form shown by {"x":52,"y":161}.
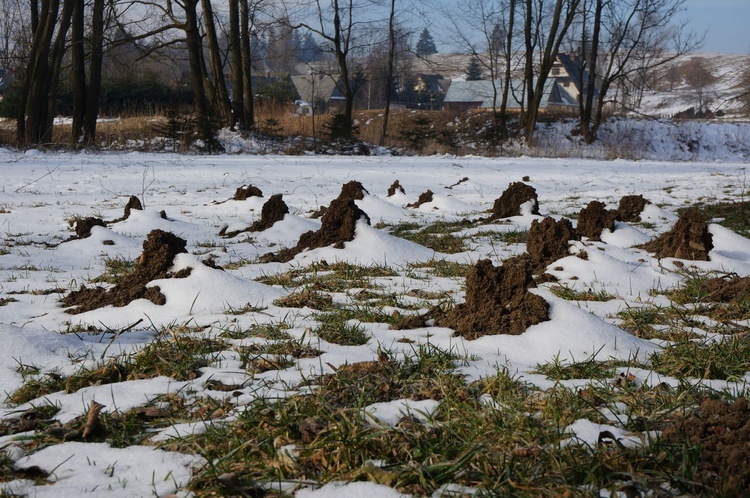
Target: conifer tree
{"x":426,"y":44}
{"x":474,"y":70}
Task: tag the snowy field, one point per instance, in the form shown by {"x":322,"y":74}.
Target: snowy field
{"x":42,"y":192}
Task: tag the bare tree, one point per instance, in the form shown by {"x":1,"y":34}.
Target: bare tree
{"x":335,"y":23}
{"x":546,"y":24}
{"x":49,"y":27}
{"x":629,"y":38}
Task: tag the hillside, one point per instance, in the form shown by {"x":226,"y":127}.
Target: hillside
{"x":716,"y":80}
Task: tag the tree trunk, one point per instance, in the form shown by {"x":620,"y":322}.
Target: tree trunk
{"x":195,"y":56}
{"x":95,"y":72}
{"x":37,"y":71}
{"x":589,"y":129}
{"x":221,"y":95}
{"x":235,"y":50}
{"x":555,"y":36}
{"x":247,"y":67}
{"x":78,"y":56}
{"x":389,"y":72}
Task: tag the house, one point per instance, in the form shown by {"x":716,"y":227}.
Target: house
{"x":320,"y":91}
{"x":570,"y":77}
{"x":478,"y":95}
{"x":429,"y":89}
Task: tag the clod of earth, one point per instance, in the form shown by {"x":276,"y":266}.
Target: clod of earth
{"x":83,"y":226}
{"x":510,"y":201}
{"x":159,"y":251}
{"x":688,"y":239}
{"x":631,"y":207}
{"x":133,"y":203}
{"x":273,"y":210}
{"x":242,"y":193}
{"x":593,"y":219}
{"x":723,"y":290}
{"x":548,"y":241}
{"x":395,"y":186}
{"x":722,"y":432}
{"x":353,"y":190}
{"x":338,"y":224}
{"x":424,"y":198}
{"x":498,"y":301}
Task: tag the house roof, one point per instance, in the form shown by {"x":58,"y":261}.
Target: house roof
{"x":312,"y":88}
{"x":480,"y":92}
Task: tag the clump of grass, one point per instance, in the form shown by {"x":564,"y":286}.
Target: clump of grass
{"x":590,"y":368}
{"x":270,"y":331}
{"x":734,"y":215}
{"x":571,"y":294}
{"x":727,"y":358}
{"x":306,"y":299}
{"x":516,"y":236}
{"x":334,"y":329}
{"x":438,"y":236}
{"x":116,"y":268}
{"x":442,"y":268}
{"x":172,"y":354}
{"x":510,"y":448}
{"x":243,"y":310}
{"x":275,"y":355}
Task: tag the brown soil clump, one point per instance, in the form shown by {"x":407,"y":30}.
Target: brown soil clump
{"x":395,"y":187}
{"x":338,"y":225}
{"x":159,"y":250}
{"x":631,"y":207}
{"x":593,"y":219}
{"x":353,"y":190}
{"x":722,"y":432}
{"x":273,"y":210}
{"x":688,"y":239}
{"x":548,"y":240}
{"x":84,"y":226}
{"x":727,"y":290}
{"x":242,"y":193}
{"x":424,"y":198}
{"x":133,"y":203}
{"x":509,"y":202}
{"x":497,"y":301}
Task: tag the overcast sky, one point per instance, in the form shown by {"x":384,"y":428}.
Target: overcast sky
{"x":726,"y":21}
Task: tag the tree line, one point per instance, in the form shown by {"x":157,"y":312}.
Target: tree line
{"x":224,"y":44}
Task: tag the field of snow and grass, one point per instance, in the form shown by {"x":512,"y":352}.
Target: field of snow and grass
{"x":256,"y":376}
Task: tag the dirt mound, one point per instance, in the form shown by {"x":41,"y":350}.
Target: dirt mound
{"x":242,"y":193}
{"x":83,"y":226}
{"x":353,"y":190}
{"x":631,"y":207}
{"x":424,"y":198}
{"x":688,"y":239}
{"x":133,"y":203}
{"x":509,"y":202}
{"x":727,"y":290}
{"x":273,"y":210}
{"x":497,"y":301}
{"x":593,"y":219}
{"x":395,"y":187}
{"x":548,"y":240}
{"x":159,"y":250}
{"x":338,"y":224}
{"x":722,"y":432}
